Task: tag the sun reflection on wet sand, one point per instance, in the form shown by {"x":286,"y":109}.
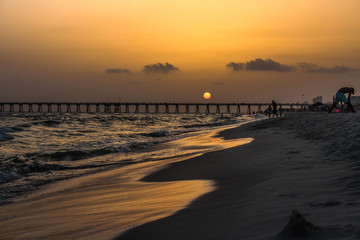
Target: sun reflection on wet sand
{"x":103,"y":205}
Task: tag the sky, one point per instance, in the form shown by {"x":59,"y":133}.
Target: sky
{"x":174,"y":51}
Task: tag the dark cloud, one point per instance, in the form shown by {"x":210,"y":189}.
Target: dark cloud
{"x":160,"y":68}
{"x":235,"y":66}
{"x":270,"y":65}
{"x":313,"y":68}
{"x":117,"y":70}
{"x":261,"y":65}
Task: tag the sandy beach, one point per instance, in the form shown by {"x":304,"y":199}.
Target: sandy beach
{"x":259,"y":185}
{"x":247,"y":189}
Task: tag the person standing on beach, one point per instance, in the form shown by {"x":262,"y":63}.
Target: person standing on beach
{"x":274,"y":111}
{"x":268,"y":111}
{"x":340,"y":96}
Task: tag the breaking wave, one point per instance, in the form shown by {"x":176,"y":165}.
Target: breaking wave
{"x":35,"y":148}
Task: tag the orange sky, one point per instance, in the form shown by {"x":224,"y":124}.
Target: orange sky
{"x":60,"y":50}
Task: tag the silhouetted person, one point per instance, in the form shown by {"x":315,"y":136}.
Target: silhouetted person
{"x":281,"y":110}
{"x":274,"y":111}
{"x":340,"y":97}
{"x":269,"y":111}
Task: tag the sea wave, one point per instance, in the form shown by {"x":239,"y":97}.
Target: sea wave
{"x":38,"y":148}
{"x":9,"y":173}
{"x":4,"y":132}
{"x":4,"y":136}
{"x":74,"y":155}
{"x":212,"y":124}
{"x":161,"y":133}
{"x":48,"y":123}
{"x":16,"y":172}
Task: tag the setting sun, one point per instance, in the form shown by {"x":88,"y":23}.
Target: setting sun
{"x":207,"y":95}
{"x":94,"y":85}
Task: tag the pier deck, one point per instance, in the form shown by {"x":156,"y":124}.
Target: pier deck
{"x":129,"y":107}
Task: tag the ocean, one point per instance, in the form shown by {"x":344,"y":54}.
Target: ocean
{"x":36,"y":149}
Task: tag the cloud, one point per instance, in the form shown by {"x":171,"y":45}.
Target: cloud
{"x":235,"y":66}
{"x":117,"y":71}
{"x":270,"y":65}
{"x":313,"y":68}
{"x":261,"y":65}
{"x":160,"y":68}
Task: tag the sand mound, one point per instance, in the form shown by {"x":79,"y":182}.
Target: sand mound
{"x":299,"y":228}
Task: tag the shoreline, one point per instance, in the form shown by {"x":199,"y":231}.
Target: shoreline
{"x":108,"y":198}
{"x":25,"y":171}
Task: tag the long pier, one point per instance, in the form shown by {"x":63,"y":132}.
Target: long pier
{"x":132,"y":107}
